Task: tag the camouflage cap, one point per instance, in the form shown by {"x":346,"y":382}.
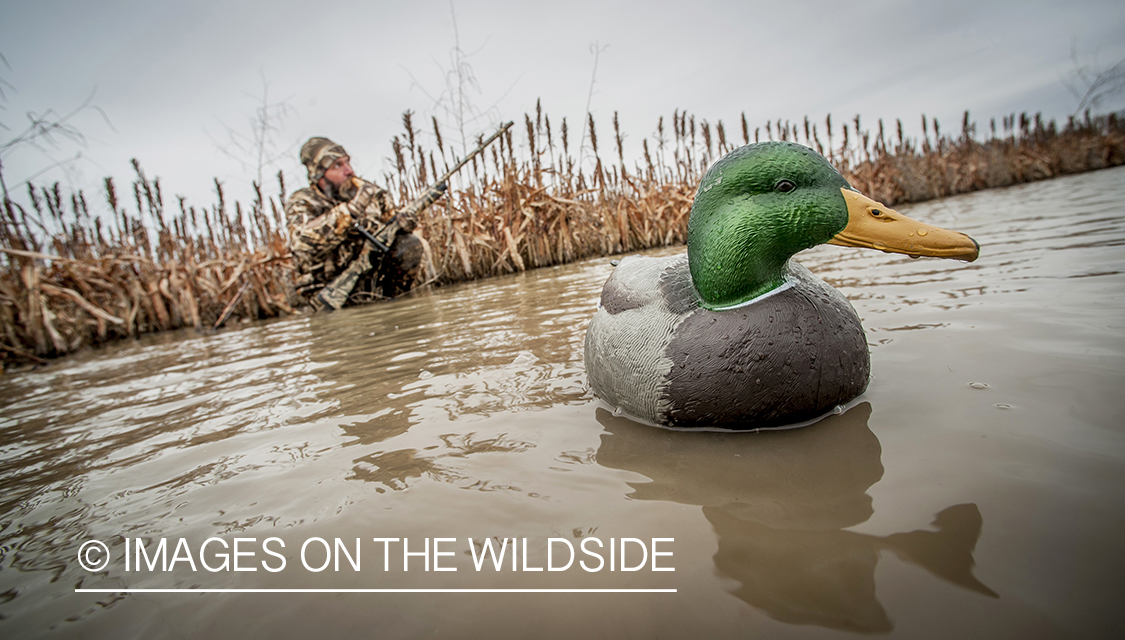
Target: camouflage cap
{"x":318,"y":154}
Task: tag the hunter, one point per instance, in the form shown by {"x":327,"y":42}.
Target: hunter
{"x":336,"y":265}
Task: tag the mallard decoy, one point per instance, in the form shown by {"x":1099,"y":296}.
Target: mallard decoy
{"x":736,"y":334}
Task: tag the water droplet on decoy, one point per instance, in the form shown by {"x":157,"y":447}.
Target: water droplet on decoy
{"x":838,"y":410}
{"x":978,"y":385}
{"x":1003,"y":406}
{"x":617,"y":412}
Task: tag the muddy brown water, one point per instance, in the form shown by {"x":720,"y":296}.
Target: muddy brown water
{"x":976,"y":490}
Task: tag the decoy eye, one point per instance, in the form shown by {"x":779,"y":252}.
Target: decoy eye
{"x":877,"y":213}
{"x":785,"y":186}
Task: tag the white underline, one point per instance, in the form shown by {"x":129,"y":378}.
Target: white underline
{"x":376,"y":591}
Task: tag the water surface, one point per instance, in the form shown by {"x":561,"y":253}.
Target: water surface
{"x":977,"y":489}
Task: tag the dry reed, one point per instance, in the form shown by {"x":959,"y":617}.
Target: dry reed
{"x":69,"y":278}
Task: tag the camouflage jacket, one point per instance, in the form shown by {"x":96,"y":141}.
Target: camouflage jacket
{"x":321,"y":241}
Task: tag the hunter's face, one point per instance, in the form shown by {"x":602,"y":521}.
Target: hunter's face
{"x":340,"y":172}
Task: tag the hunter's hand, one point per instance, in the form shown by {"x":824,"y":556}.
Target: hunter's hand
{"x":361,"y":199}
{"x":408,"y":222}
{"x":344,"y":220}
{"x":369,"y":225}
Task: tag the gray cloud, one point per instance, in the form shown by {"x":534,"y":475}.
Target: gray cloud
{"x":168,"y":73}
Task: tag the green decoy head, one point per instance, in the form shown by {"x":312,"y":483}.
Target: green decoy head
{"x":762,"y":203}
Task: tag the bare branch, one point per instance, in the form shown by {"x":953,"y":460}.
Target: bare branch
{"x":257,"y":150}
{"x":1090,"y":85}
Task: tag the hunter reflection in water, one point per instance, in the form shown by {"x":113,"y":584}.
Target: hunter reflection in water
{"x":780,"y":503}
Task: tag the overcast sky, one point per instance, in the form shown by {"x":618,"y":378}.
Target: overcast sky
{"x":172,"y":77}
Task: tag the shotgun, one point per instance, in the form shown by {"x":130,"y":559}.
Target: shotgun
{"x":381,"y":238}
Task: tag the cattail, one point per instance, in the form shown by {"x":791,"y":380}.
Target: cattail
{"x":593,"y":134}
{"x":400,"y":162}
{"x":538,"y":117}
{"x":566,"y":151}
{"x":618,"y":138}
{"x":137,"y":197}
{"x":110,"y":194}
{"x":745,"y":130}
{"x":408,"y":124}
{"x":437,"y":134}
{"x":530,"y":134}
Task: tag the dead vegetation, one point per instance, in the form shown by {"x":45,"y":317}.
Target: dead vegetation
{"x":71,"y":278}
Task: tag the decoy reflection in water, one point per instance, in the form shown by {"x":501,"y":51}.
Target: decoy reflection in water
{"x":780,"y":503}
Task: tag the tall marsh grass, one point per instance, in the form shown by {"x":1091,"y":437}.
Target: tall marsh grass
{"x":71,"y":278}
